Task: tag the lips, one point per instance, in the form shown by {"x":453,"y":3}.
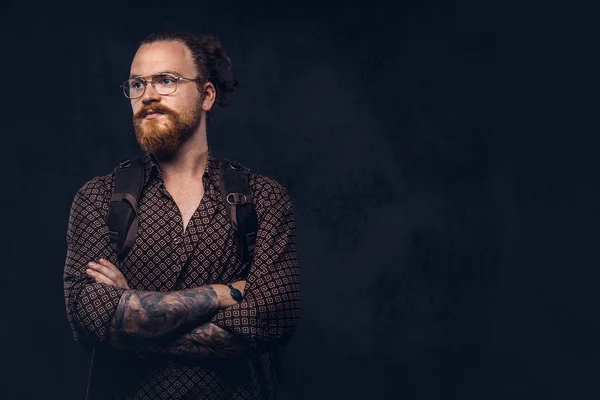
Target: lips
{"x":150,"y":114}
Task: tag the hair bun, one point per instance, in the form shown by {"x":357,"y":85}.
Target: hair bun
{"x":212,"y":61}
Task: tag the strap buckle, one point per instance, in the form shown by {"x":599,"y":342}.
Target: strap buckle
{"x":235,"y":166}
{"x":238,"y":198}
{"x":125,"y":164}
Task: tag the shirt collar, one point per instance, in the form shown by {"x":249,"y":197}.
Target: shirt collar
{"x":210,"y":177}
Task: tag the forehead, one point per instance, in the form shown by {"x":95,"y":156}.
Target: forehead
{"x":158,"y":57}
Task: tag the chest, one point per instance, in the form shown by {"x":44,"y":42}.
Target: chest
{"x":187,"y":199}
{"x":185,"y":240}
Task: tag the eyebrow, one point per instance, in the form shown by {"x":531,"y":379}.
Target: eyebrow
{"x":168,"y":71}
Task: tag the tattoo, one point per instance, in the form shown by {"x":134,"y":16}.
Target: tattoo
{"x":143,"y":316}
{"x":205,"y":341}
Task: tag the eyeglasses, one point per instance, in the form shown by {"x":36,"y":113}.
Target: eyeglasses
{"x":134,"y":88}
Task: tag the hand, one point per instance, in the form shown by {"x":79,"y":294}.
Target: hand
{"x":106,"y":272}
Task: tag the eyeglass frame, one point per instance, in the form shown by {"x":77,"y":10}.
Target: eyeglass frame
{"x":141,"y":78}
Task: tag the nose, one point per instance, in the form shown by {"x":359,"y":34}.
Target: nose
{"x":150,"y":95}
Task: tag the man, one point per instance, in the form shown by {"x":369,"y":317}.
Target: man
{"x":165,"y":324}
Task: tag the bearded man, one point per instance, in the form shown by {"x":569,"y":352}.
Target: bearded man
{"x":167,"y":323}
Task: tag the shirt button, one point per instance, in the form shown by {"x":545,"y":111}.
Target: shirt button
{"x":177,"y":240}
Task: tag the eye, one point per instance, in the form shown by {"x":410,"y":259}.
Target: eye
{"x":166,"y":80}
{"x":136,"y":84}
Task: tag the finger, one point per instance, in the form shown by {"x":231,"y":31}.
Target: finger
{"x":104,"y":262}
{"x":107,"y":263}
{"x":118,"y":278}
{"x":99,"y":278}
{"x":111,"y":272}
{"x":106,"y":271}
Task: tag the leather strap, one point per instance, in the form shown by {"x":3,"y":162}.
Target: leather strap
{"x":235,"y":189}
{"x":122,"y":218}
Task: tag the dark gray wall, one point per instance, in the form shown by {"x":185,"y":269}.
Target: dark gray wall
{"x":442,"y":160}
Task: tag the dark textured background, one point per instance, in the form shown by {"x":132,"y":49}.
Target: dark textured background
{"x":442,"y":160}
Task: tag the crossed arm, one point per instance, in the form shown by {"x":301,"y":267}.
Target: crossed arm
{"x":152,"y":321}
{"x":199,"y":322}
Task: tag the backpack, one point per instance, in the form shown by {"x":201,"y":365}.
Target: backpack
{"x":122,"y":217}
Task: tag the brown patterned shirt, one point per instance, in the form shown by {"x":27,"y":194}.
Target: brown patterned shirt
{"x":167,"y":258}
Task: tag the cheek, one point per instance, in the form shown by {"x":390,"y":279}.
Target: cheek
{"x":135,"y":106}
{"x":183,"y":108}
{"x":192,"y":98}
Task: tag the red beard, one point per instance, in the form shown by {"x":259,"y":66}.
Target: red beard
{"x":164,"y":135}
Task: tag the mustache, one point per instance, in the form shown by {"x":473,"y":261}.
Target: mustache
{"x":152,"y":108}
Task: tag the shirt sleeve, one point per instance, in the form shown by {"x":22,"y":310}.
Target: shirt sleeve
{"x":90,"y":306}
{"x":270,"y":309}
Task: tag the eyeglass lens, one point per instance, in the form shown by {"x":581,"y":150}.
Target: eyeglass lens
{"x":163,"y":84}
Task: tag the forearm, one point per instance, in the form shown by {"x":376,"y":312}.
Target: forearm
{"x":206,"y":341}
{"x":143,"y":316}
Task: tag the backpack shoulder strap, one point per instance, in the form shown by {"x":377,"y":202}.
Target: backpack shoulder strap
{"x":122,"y":217}
{"x":235,"y":189}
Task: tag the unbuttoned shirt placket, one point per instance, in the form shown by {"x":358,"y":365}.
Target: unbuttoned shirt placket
{"x":184,"y":243}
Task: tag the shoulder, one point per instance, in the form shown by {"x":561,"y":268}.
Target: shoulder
{"x":96,"y":191}
{"x":268,"y":193}
{"x":90,"y":205}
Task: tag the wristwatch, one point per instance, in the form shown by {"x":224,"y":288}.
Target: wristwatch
{"x":236,"y":294}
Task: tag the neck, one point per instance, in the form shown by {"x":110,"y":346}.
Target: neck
{"x":188,"y":162}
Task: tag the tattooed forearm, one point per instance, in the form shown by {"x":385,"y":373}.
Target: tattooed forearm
{"x":143,"y":316}
{"x":206,"y":341}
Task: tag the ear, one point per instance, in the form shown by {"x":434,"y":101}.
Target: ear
{"x":209,"y":95}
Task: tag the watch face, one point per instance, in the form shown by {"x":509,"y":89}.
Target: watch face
{"x":236,"y":294}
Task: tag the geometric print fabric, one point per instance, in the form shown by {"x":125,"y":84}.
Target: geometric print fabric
{"x":165,"y":257}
